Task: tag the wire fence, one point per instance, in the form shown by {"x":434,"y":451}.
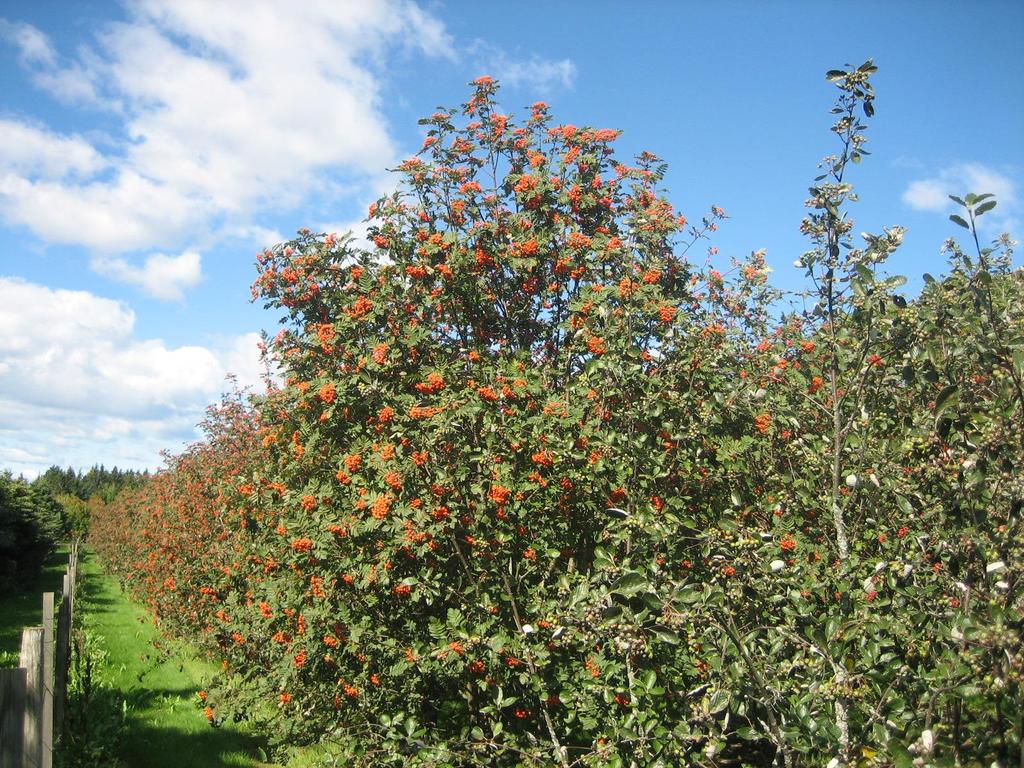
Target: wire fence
{"x":33,"y":697}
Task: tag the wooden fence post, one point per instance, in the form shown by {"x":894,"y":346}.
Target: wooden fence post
{"x":47,"y":719}
{"x":63,"y":658}
{"x":12,"y":716}
{"x":33,"y":697}
{"x":73,"y":573}
{"x":32,"y":662}
{"x":72,"y":562}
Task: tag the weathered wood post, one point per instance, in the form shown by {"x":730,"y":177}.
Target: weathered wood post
{"x":12,"y":717}
{"x":73,"y":573}
{"x":63,"y":658}
{"x":47,"y":718}
{"x":32,"y":662}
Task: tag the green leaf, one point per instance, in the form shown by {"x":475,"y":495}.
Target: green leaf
{"x":630,"y":583}
{"x":985,"y":207}
{"x":719,"y":701}
{"x":904,"y":504}
{"x":603,"y":562}
{"x":666,"y":635}
{"x":611,"y":613}
{"x":947,"y":397}
{"x":834,"y":74}
{"x":896,"y":281}
{"x":956,"y":199}
{"x":649,"y":679}
{"x":959,"y":220}
{"x":944,"y":427}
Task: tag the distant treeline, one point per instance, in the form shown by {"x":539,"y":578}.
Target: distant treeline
{"x":96,"y":481}
{"x":35,"y":515}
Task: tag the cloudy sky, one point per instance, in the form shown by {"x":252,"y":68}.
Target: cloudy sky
{"x":148,"y":149}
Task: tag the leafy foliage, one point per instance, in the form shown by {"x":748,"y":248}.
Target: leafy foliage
{"x":31,"y":521}
{"x":541,"y":490}
{"x":95,"y":721}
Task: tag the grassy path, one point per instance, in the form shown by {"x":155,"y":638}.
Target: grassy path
{"x":165,"y":728}
{"x":24,"y":608}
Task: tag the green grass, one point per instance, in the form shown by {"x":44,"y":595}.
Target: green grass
{"x":24,"y":608}
{"x":165,"y":727}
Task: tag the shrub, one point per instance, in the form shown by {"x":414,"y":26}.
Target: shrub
{"x":540,"y":490}
{"x":30,"y":523}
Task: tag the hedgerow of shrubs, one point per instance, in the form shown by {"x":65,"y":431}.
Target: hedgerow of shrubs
{"x":540,"y":488}
{"x":31,"y":523}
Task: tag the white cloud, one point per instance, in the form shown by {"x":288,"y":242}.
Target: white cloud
{"x":33,"y":46}
{"x":77,"y":386}
{"x":29,"y":151}
{"x":240,"y":358}
{"x":227,"y":109}
{"x":534,"y":73}
{"x":74,"y":84}
{"x":253,"y":235}
{"x":162,"y":276}
{"x":927,"y":195}
{"x":932,"y":193}
{"x":29,"y":443}
{"x":129,"y":213}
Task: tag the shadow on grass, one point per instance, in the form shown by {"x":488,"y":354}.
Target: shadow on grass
{"x":24,"y":607}
{"x":149,"y":698}
{"x":128,"y":730}
{"x":90,"y":592}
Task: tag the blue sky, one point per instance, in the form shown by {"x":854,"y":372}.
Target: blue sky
{"x":149,"y":149}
